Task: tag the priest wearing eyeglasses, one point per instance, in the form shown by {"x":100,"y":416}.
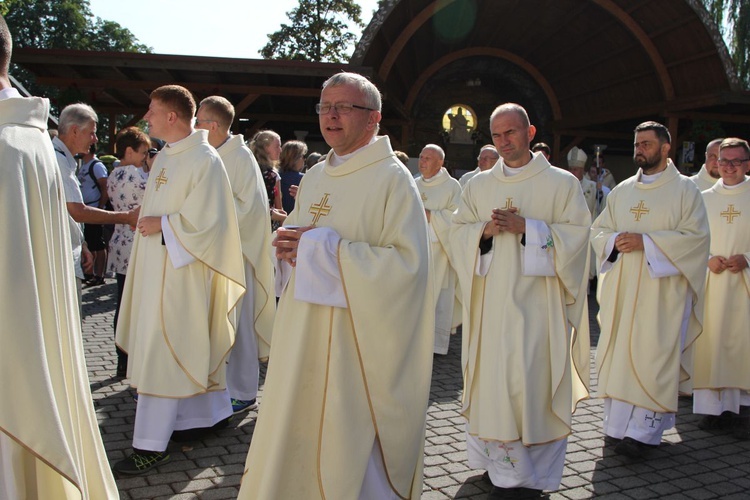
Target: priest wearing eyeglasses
{"x":346,"y":394}
{"x":722,"y":373}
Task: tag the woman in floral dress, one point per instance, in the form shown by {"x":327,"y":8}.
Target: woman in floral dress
{"x":125,"y":186}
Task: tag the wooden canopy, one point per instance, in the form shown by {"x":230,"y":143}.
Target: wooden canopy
{"x":586,"y":70}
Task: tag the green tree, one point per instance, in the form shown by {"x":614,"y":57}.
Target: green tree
{"x":63,"y":24}
{"x":319,"y":31}
{"x":733,"y":19}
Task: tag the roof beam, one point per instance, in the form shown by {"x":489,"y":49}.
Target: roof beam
{"x":27,"y":56}
{"x":490,"y":52}
{"x":92,"y":83}
{"x":648,"y":45}
{"x":417,"y":21}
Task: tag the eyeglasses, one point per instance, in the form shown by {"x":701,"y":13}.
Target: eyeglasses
{"x":197,"y":121}
{"x":342,"y":108}
{"x":734,"y":163}
{"x":152,"y":152}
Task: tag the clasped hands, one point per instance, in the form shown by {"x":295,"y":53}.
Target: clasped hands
{"x":287,"y":241}
{"x":734,"y":264}
{"x":504,"y":220}
{"x":629,"y":242}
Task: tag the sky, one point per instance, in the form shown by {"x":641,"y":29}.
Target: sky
{"x":215,"y":28}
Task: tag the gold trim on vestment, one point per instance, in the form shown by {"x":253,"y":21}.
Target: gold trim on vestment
{"x":257,"y":316}
{"x":630,"y":343}
{"x":44,"y":461}
{"x":467,"y":393}
{"x":164,"y":327}
{"x":607,"y":396}
{"x":211,"y":383}
{"x":693,"y":305}
{"x":520,"y":440}
{"x":364,"y":375}
{"x":722,"y":388}
{"x":323,"y":407}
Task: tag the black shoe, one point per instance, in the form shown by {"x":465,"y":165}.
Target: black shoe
{"x":188,"y":435}
{"x":611,"y":441}
{"x":717,"y":422}
{"x":140,"y":462}
{"x":497,"y":493}
{"x":95,"y":281}
{"x":632,"y":448}
{"x":741,"y":428}
{"x":198,"y":433}
{"x":221,"y":424}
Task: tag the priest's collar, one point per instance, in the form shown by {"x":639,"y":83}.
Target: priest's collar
{"x":176,"y":143}
{"x":721,"y":184}
{"x":337,"y":160}
{"x":512,"y":172}
{"x":195,"y":138}
{"x":438,"y":177}
{"x":648,"y":179}
{"x":8,"y":93}
{"x":228,"y":138}
{"x":504,"y":173}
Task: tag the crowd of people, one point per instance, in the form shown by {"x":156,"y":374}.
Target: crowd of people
{"x":226,"y":255}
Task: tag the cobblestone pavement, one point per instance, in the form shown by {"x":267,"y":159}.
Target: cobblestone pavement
{"x":689,"y":464}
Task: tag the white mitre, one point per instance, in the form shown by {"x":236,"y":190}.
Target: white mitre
{"x":576,"y":157}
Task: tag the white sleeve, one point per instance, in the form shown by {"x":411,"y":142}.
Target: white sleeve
{"x":606,"y":264}
{"x":318,"y":278}
{"x":281,"y":276}
{"x":483,"y":263}
{"x":539,"y":254}
{"x":177,"y":253}
{"x":658,"y":264}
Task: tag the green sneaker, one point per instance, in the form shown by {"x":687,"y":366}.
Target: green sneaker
{"x":239,"y":405}
{"x":140,"y":462}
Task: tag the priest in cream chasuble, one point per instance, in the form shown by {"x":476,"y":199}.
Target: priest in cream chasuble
{"x":258,"y":307}
{"x":440,"y":194}
{"x":652,"y":242}
{"x":186,"y":278}
{"x":50,"y":445}
{"x":709,"y":172}
{"x":345,"y":399}
{"x":722,"y":371}
{"x":524,"y":370}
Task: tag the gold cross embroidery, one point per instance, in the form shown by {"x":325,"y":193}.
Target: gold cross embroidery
{"x":162,"y":179}
{"x":509,"y":205}
{"x":424,"y":197}
{"x":730,"y":214}
{"x":321,"y":209}
{"x":639,"y":210}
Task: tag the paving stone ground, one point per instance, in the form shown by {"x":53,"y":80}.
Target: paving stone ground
{"x":690,"y":464}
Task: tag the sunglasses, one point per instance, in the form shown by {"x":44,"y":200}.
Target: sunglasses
{"x":152,"y":152}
